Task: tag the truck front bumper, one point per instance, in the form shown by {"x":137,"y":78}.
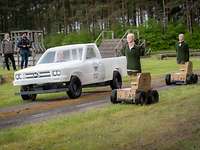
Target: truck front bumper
{"x":23,"y":82}
{"x":44,"y":88}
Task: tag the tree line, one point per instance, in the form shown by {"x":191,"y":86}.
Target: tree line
{"x":67,"y":16}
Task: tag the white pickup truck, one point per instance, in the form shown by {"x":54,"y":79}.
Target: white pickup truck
{"x":69,"y":68}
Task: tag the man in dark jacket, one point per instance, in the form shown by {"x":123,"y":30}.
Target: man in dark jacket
{"x":182,"y":50}
{"x":24,"y":45}
{"x":8,"y":51}
{"x":132,"y":53}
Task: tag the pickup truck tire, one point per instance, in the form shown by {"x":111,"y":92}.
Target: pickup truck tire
{"x":27,"y":97}
{"x":116,"y":82}
{"x":74,"y":88}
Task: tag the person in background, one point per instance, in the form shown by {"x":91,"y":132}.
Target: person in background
{"x":132,"y":53}
{"x":24,"y":45}
{"x":182,"y":50}
{"x":60,"y":57}
{"x":8,"y":51}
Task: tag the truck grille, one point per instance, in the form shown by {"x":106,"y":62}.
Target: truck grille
{"x":33,"y":75}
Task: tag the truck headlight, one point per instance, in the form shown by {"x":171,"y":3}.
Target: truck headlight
{"x":18,"y":76}
{"x":56,"y":73}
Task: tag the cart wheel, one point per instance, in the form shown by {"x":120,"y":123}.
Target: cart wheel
{"x":149,"y":98}
{"x":168,"y":79}
{"x":189,"y":79}
{"x":140,"y":98}
{"x":155,"y":96}
{"x":195,"y":78}
{"x":113,"y":97}
{"x":137,"y":102}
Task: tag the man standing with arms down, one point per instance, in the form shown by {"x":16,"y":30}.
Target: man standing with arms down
{"x":182,"y":50}
{"x":24,"y":45}
{"x":132,"y":53}
{"x":8,"y":51}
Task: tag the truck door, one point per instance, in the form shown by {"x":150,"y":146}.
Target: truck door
{"x":95,"y":66}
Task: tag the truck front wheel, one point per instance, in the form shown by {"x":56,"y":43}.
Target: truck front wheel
{"x":116,"y":82}
{"x":27,"y":96}
{"x":74,"y":88}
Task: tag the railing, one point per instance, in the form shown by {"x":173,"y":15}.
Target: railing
{"x":103,"y":34}
{"x":117,"y":48}
{"x":117,"y":53}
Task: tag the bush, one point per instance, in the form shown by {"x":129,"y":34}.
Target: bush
{"x":77,"y":37}
{"x":53,"y":40}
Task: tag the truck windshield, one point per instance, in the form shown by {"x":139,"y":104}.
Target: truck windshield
{"x":62,"y":56}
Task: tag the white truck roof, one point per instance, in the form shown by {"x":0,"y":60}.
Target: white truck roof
{"x":70,"y":46}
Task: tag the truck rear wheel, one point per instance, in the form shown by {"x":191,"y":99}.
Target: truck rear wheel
{"x":116,"y":82}
{"x":168,"y":79}
{"x":74,"y":88}
{"x":27,"y":96}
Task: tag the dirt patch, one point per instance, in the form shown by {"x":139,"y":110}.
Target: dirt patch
{"x":52,"y":104}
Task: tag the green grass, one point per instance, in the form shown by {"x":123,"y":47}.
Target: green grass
{"x":161,"y":67}
{"x":173,"y":123}
{"x":154,"y":66}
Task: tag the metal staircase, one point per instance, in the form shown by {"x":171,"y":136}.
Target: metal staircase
{"x":110,"y":46}
{"x":107,"y":47}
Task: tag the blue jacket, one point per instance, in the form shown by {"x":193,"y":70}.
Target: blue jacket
{"x":24,"y":44}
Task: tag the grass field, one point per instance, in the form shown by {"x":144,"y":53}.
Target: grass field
{"x":153,"y":65}
{"x":173,"y":123}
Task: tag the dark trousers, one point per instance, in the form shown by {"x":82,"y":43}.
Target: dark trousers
{"x":133,"y":73}
{"x":11,"y":57}
{"x":24,"y":59}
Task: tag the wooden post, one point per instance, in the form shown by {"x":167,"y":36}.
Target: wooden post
{"x":112,"y":35}
{"x":18,"y":59}
{"x":164,"y":17}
